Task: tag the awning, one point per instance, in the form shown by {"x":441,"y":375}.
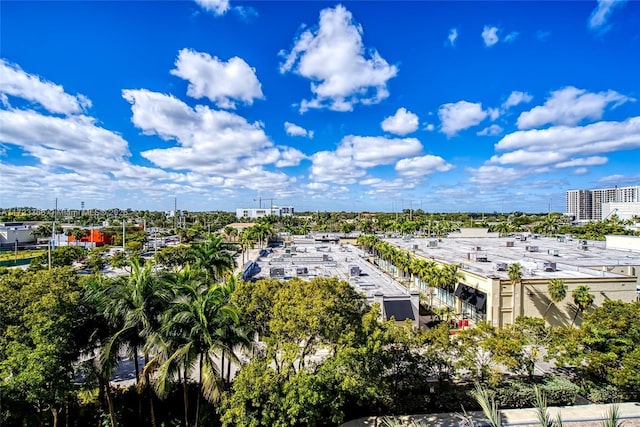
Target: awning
{"x":399,"y":309}
{"x":471,"y":296}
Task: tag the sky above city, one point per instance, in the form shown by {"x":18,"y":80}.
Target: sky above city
{"x":325,"y":106}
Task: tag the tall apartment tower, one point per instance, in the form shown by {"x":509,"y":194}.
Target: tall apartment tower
{"x":586,"y":205}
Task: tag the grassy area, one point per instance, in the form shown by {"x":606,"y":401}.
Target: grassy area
{"x":9,"y":255}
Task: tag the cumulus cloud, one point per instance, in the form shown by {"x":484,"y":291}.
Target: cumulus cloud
{"x":569,"y":106}
{"x":430,"y":127}
{"x":333,"y":57}
{"x":210,"y":141}
{"x":459,"y":116}
{"x":602,"y":13}
{"x":217,"y":7}
{"x":584,"y":161}
{"x":401,"y":123}
{"x":295,"y":130}
{"x":453,"y":35}
{"x":421,"y":166}
{"x":564,"y":145}
{"x":355,"y":154}
{"x":495,"y":175}
{"x":516,"y":98}
{"x":221,"y":82}
{"x":74,"y":143}
{"x":15,"y":82}
{"x":490,"y":35}
{"x":492,"y":130}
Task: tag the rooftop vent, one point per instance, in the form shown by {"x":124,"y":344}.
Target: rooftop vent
{"x":509,"y":244}
{"x":532,"y":248}
{"x":500,"y":266}
{"x":553,"y":252}
{"x":354,"y":270}
{"x":432,"y":244}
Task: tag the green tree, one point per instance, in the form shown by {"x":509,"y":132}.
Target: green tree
{"x":214,"y":257}
{"x":557,"y":290}
{"x":193,"y":321}
{"x":134,"y":308}
{"x":42,"y":340}
{"x":582,"y":298}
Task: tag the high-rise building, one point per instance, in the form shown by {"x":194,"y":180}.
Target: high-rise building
{"x":586,"y":205}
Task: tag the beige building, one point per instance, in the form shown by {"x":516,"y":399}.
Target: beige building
{"x":485,"y":292}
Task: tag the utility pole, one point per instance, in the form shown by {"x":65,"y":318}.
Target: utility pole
{"x":123,"y":235}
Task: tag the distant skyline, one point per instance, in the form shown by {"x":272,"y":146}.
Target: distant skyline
{"x":354,"y":106}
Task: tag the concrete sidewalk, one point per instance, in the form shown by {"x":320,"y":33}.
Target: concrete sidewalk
{"x":573,"y":416}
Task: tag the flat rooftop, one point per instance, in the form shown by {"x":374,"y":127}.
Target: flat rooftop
{"x":329,"y":260}
{"x":573,"y":258}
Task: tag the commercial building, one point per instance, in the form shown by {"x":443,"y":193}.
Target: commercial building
{"x":16,"y":234}
{"x":587,"y":205}
{"x":254,"y":213}
{"x":484,"y":291}
{"x":317,"y":256}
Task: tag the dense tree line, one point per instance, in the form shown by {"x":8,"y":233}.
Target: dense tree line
{"x":208,"y":349}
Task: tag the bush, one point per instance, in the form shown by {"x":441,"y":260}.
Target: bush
{"x":603,"y":394}
{"x":560,"y":391}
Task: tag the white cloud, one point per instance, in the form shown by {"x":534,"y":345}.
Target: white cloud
{"x":602,"y":12}
{"x":453,"y":35}
{"x":357,"y":153}
{"x":430,"y":127}
{"x":295,"y":130}
{"x":289,"y":156}
{"x":420,"y":166}
{"x":560,"y":144}
{"x":333,"y":57}
{"x":495,"y":175}
{"x":511,"y":37}
{"x":401,"y":123}
{"x":74,"y":143}
{"x":222,"y":82}
{"x":543,"y":36}
{"x":516,"y":98}
{"x":210,"y":141}
{"x":218,"y":7}
{"x":569,"y":106}
{"x":584,"y":161}
{"x":15,"y":82}
{"x":490,"y":35}
{"x":460,"y":115}
{"x":492,"y":130}
{"x":385,"y":186}
{"x":581,"y":171}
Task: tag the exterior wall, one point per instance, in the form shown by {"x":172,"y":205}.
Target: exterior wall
{"x":536,"y":297}
{"x":9,"y":235}
{"x":624,"y":211}
{"x":623,"y":243}
{"x":96,"y":237}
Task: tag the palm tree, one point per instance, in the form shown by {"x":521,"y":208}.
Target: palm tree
{"x":582,"y":298}
{"x":214,"y":257}
{"x":515,"y":276}
{"x":133,"y":307}
{"x":194,"y":321}
{"x":557,"y":290}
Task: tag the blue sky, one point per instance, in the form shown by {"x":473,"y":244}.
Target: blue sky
{"x":355,"y":106}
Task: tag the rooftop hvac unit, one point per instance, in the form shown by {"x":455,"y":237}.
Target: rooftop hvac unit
{"x":354,"y":271}
{"x":477,"y":248}
{"x":432,"y":244}
{"x":562,"y":239}
{"x":302,"y":271}
{"x":583,"y":247}
{"x":509,"y":244}
{"x":553,"y":252}
{"x":547,"y":266}
{"x":532,"y":249}
{"x":276,"y":272}
{"x":476,"y":256}
{"x":415,"y":247}
{"x":500,"y":266}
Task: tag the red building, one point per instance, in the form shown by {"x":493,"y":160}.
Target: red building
{"x":94,"y":236}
